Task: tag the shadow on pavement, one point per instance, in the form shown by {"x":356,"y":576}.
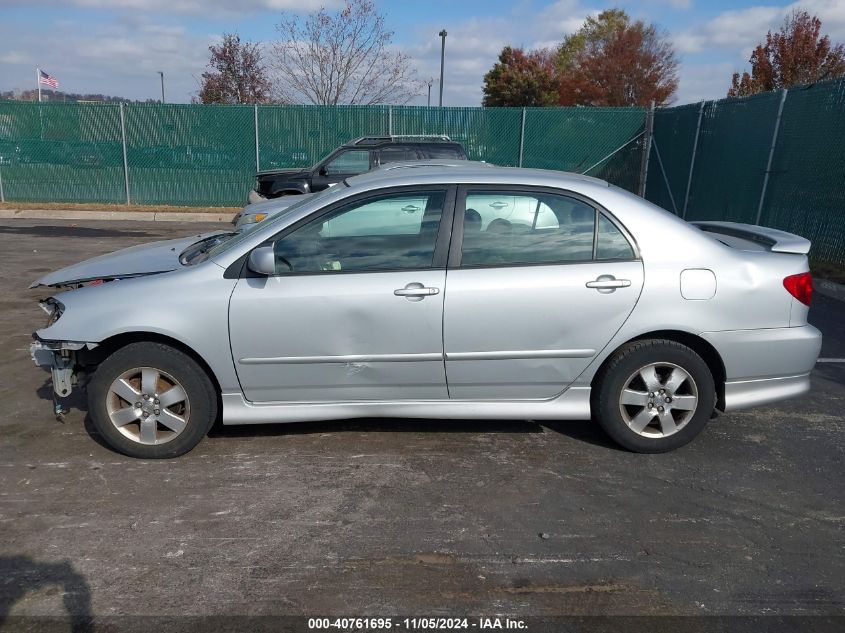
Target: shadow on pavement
{"x":69,"y":231}
{"x":22,"y":574}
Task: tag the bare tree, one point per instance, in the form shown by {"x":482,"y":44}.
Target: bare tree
{"x":341,"y":58}
{"x":236,"y":73}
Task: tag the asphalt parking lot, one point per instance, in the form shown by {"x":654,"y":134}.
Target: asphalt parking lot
{"x":381,"y":517}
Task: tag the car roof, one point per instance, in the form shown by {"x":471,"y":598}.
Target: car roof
{"x":431,"y":162}
{"x":457,"y":172}
{"x":380,"y":141}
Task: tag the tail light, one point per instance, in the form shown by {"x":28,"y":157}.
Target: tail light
{"x":800,"y":286}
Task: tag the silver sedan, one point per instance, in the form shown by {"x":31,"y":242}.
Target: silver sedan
{"x":480,"y":292}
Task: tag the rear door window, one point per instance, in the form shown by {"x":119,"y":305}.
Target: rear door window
{"x":502,"y":228}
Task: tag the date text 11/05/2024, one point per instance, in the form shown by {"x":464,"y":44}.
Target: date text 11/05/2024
{"x":480,"y":623}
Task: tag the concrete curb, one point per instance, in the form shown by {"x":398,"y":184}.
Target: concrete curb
{"x":829,"y":289}
{"x":143,"y":216}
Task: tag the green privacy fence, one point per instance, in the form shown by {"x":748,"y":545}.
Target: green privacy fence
{"x":776,"y":159}
{"x":205,"y":155}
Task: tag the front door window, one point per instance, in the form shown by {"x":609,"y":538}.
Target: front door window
{"x":388,"y":232}
{"x":351,"y":162}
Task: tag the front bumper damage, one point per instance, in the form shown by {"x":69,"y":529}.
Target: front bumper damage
{"x":61,"y":358}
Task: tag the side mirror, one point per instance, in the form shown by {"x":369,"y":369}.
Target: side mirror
{"x":262,"y":260}
{"x":323,"y":171}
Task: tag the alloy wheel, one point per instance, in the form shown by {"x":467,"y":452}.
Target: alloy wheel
{"x":148,"y":405}
{"x":658,"y":400}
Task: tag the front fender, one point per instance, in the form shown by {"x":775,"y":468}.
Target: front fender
{"x":190,"y":306}
{"x":288,"y":187}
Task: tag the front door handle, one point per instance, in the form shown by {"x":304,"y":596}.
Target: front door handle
{"x":416,"y":292}
{"x":608,"y":283}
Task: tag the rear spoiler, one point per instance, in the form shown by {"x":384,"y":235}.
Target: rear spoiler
{"x":770,"y":239}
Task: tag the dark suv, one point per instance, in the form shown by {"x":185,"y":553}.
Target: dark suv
{"x":353,"y":158}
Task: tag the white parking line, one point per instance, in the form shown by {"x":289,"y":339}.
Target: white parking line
{"x":831,"y":360}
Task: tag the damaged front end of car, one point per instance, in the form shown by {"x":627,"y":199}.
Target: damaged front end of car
{"x":59,"y":357}
{"x":65,"y":360}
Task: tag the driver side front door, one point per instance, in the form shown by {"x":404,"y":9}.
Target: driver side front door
{"x":355,"y":311}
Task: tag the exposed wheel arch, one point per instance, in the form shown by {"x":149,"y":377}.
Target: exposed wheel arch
{"x":114,"y":343}
{"x":697,"y":344}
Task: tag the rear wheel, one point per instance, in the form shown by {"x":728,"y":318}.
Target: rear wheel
{"x":654,"y":396}
{"x":151,"y":401}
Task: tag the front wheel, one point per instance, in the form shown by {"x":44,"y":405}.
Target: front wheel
{"x":654,"y":396}
{"x":151,"y":401}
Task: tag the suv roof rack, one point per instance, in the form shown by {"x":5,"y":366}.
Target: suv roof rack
{"x":375,"y":140}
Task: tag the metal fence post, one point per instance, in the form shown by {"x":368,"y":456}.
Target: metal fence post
{"x":125,"y":161}
{"x":257,"y":158}
{"x":522,"y":138}
{"x":649,"y":130}
{"x":771,"y":156}
{"x":665,"y":178}
{"x":692,"y":159}
{"x":390,"y":120}
{"x":2,"y":193}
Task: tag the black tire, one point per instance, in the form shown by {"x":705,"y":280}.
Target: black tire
{"x":201,"y":394}
{"x":608,"y":411}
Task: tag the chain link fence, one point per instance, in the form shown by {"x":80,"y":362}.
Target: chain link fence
{"x":204,"y":155}
{"x":774,"y":159}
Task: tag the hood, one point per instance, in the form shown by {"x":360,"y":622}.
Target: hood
{"x":143,"y":259}
{"x":272,"y":206}
{"x":282,"y":172}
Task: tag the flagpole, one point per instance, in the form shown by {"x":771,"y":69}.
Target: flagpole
{"x":38,"y":82}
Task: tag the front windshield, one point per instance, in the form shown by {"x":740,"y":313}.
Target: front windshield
{"x":245,"y":234}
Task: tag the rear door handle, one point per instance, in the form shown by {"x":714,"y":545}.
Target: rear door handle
{"x":416,"y":292}
{"x":608,"y":283}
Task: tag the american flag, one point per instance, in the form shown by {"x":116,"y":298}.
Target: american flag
{"x":47,"y":80}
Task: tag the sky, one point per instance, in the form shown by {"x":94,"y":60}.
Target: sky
{"x":117,"y":47}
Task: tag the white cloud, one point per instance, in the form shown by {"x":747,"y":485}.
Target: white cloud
{"x":675,"y":4}
{"x":190,"y":7}
{"x":830,"y":12}
{"x":122,"y":55}
{"x":702,"y":82}
{"x":734,"y":34}
{"x":730,"y":30}
{"x":737,"y":32}
{"x":473,"y":46}
{"x":15,"y":57}
{"x":560,"y":18}
{"x":120,"y":59}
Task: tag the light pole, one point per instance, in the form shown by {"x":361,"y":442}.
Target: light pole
{"x":442,"y":58}
{"x":429,"y":82}
{"x":162,"y":85}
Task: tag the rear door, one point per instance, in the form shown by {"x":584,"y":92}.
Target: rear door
{"x":536,"y":289}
